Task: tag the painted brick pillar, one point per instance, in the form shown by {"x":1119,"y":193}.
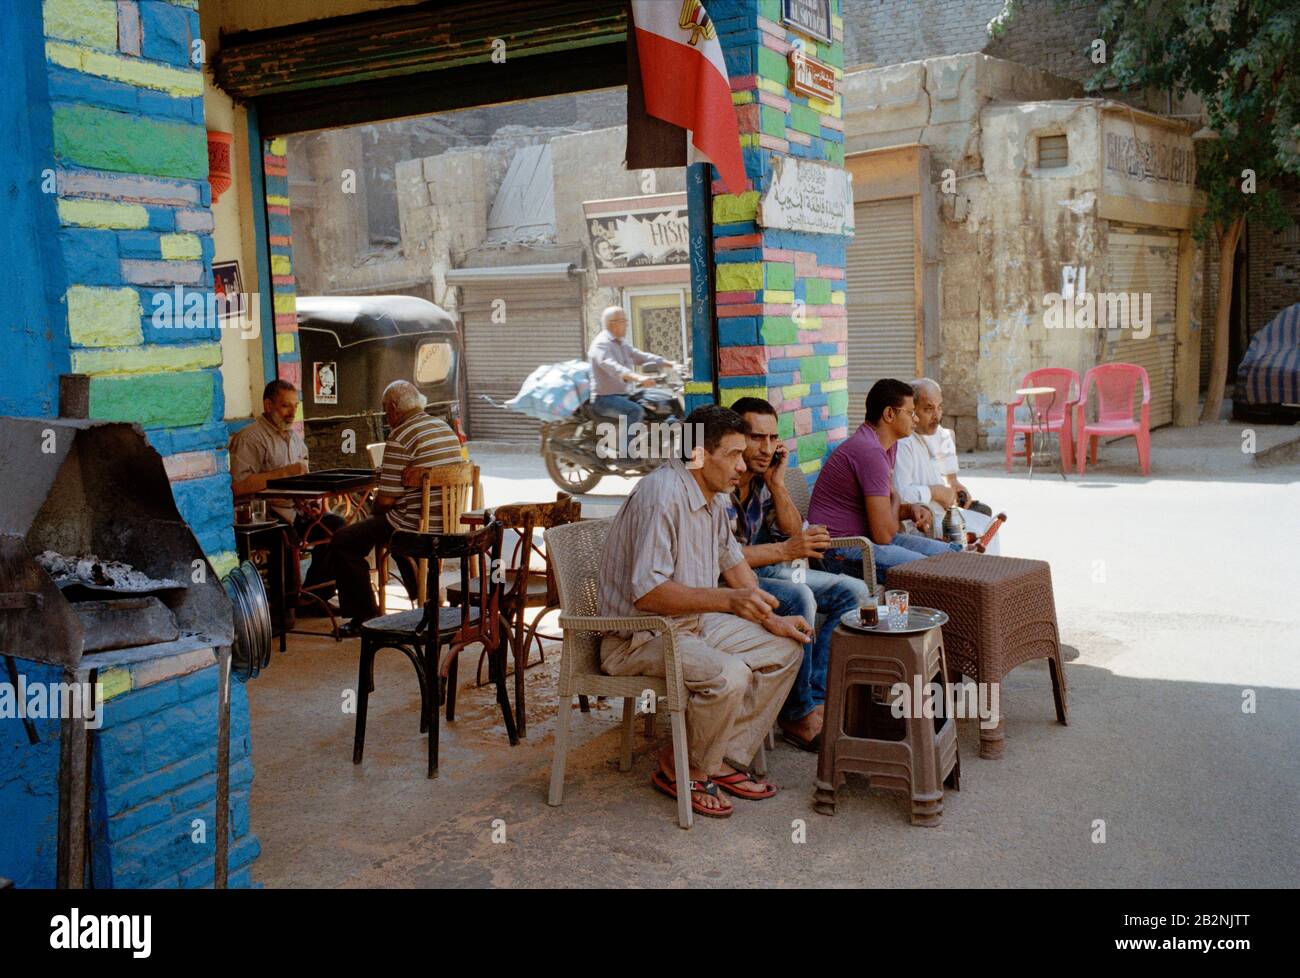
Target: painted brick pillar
{"x":782,"y":319}
{"x":275,"y":165}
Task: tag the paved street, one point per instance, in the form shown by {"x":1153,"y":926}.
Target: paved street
{"x":1175,"y":594}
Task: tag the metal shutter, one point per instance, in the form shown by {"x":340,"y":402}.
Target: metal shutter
{"x":1147,"y":263}
{"x":543,"y":325}
{"x":881,"y":283}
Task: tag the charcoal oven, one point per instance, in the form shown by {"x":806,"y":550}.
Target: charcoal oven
{"x":78,"y":500}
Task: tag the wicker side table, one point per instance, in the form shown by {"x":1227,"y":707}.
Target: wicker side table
{"x":916,"y":755}
{"x":1001,"y":613}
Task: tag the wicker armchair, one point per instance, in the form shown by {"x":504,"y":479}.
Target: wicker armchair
{"x":575,"y":552}
{"x":796,"y":484}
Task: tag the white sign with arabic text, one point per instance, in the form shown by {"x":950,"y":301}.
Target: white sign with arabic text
{"x":806,"y":195}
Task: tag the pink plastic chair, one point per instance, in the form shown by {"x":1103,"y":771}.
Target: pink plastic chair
{"x":1059,"y":415}
{"x":1116,"y":383}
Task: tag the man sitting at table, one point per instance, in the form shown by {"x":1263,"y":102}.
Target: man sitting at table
{"x":778,"y":546}
{"x":268,"y":449}
{"x":666,"y":549}
{"x":917,"y":472}
{"x":416,"y":441}
{"x":854,"y":494}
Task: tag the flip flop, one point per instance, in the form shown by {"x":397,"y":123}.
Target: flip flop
{"x":730,"y":784}
{"x":813,"y":746}
{"x":668,"y":786}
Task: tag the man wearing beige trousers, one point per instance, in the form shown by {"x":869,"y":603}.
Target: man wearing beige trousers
{"x":665,"y":552}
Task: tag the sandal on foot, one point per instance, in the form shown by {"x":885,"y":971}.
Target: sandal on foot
{"x":668,"y":786}
{"x":730,"y":783}
{"x":813,"y":746}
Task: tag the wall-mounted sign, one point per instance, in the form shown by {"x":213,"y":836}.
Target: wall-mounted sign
{"x":641,"y":233}
{"x":228,"y":288}
{"x":808,"y":76}
{"x":806,"y":195}
{"x":1147,"y":160}
{"x":325,"y":382}
{"x":811,"y":17}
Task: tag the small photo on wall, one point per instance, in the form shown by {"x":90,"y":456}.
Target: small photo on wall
{"x":229,"y":289}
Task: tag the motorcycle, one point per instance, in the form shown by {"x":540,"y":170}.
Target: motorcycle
{"x":585,"y":447}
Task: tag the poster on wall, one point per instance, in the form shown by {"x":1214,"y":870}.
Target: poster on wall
{"x":325,"y":380}
{"x":806,"y":195}
{"x":229,"y":289}
{"x":811,"y":17}
{"x":645,"y":233}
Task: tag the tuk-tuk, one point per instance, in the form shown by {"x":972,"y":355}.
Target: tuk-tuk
{"x":355,"y":346}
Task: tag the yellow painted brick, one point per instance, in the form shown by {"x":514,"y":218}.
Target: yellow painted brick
{"x":834,"y":385}
{"x":730,"y":395}
{"x":837,"y":298}
{"x":810,"y":467}
{"x":739,"y":276}
{"x":837,"y":360}
{"x":90,"y":22}
{"x":151,"y":359}
{"x":102,"y":213}
{"x":810,"y":323}
{"x":281,"y":265}
{"x":180,"y":82}
{"x":741,"y":98}
{"x":699,"y":387}
{"x":277,"y":200}
{"x":284,"y":342}
{"x":748,"y":140}
{"x":284,"y":302}
{"x":775,"y":87}
{"x":778,"y":296}
{"x":103,"y":317}
{"x":180,"y":247}
{"x":114,"y":682}
{"x":278,"y":146}
{"x":791,"y":391}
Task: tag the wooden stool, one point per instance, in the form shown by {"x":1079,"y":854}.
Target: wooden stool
{"x":1001,"y":613}
{"x":915,"y":755}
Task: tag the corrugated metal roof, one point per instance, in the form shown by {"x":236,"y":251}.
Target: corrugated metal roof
{"x":524,"y":208}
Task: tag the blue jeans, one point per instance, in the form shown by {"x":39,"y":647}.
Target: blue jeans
{"x":614,"y":406}
{"x":832,"y":595}
{"x":904,"y":548}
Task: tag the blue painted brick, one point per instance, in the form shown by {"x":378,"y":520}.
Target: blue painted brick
{"x":737,"y":255}
{"x":170,"y":883}
{"x":199,"y":684}
{"x":740,"y":227}
{"x":242,"y":880}
{"x":752,"y":381}
{"x":165,"y":106}
{"x":121,"y":750}
{"x":821,"y":424}
{"x":168,"y":847}
{"x":124,"y":795}
{"x":139,"y":702}
{"x":239,"y":812}
{"x":135,"y":819}
{"x":169,"y":441}
{"x":193,"y":795}
{"x":178,"y":733}
{"x":166,"y":32}
{"x":740,"y":60}
{"x":205,"y":194}
{"x":738,"y":331}
{"x":815,"y":400}
{"x":780,"y":380}
{"x":161,"y":218}
{"x":90,"y":256}
{"x":75,"y":86}
{"x":826,"y":349}
{"x":208,"y":247}
{"x":139,"y":244}
{"x":241,"y":774}
{"x":198,"y":876}
{"x":782,"y":366}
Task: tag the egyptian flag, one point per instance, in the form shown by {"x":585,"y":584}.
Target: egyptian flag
{"x":684,"y":82}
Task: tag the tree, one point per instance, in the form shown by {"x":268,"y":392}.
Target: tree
{"x":1241,"y":58}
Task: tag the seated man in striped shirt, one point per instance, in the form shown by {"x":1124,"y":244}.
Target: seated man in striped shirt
{"x":416,"y":441}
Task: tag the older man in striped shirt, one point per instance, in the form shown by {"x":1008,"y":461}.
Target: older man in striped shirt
{"x":416,"y":441}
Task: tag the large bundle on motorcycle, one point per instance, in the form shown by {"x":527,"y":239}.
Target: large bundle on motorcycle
{"x":554,"y":391}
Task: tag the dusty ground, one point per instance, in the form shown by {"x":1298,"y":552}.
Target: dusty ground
{"x":1175,"y":594}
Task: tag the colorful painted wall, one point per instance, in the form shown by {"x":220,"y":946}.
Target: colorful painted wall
{"x":782,"y":320}
{"x":106,"y":190}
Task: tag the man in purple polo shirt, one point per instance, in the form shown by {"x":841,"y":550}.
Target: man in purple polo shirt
{"x":854,"y":493}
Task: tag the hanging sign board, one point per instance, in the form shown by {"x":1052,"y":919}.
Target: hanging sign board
{"x":808,"y":76}
{"x":811,"y":17}
{"x":806,"y":195}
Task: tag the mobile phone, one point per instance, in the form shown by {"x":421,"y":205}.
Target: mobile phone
{"x":779,"y":454}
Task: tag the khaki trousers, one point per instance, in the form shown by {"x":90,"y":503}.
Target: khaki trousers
{"x":737,"y":675}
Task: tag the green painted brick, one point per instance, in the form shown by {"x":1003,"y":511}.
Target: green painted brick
{"x":805,"y":120}
{"x":812,"y":447}
{"x":813,"y":370}
{"x":89,"y":22}
{"x":785,"y":425}
{"x":780,"y":276}
{"x":740,"y":276}
{"x":778,"y":331}
{"x":770,"y":10}
{"x":835,"y":153}
{"x":771,"y":120}
{"x":107,"y":140}
{"x":734,"y":208}
{"x":172,"y":400}
{"x":773,"y":66}
{"x":837,"y":402}
{"x":817,"y":292}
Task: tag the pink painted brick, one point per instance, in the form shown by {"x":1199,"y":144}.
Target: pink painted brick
{"x":738,"y":309}
{"x":776,"y":44}
{"x":292,"y":372}
{"x":795,"y":136}
{"x":747,"y":117}
{"x":777,"y":309}
{"x":802,"y":350}
{"x":772,"y":142}
{"x":803,"y":421}
{"x":777,"y":254}
{"x":770,"y":27}
{"x":731,"y":298}
{"x":835,"y":273}
{"x":743,"y":83}
{"x":774,"y":100}
{"x":805,"y":264}
{"x":837,"y":434}
{"x":839,"y":373}
{"x":731,"y":242}
{"x":829,"y":121}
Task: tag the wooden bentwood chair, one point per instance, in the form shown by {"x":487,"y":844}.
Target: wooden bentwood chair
{"x":421,"y":633}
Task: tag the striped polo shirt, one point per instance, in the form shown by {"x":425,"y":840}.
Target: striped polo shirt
{"x":423,"y":441}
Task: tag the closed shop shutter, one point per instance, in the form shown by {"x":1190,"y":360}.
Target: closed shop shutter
{"x":543,"y":324}
{"x":881,"y":283}
{"x":1138,"y":264}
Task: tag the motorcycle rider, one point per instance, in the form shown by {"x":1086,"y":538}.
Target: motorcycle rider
{"x":614,"y":362}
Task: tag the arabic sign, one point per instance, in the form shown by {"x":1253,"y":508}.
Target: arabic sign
{"x":1152,"y":162}
{"x":639,"y":232}
{"x":808,"y":76}
{"x":811,"y":17}
{"x":805,"y":195}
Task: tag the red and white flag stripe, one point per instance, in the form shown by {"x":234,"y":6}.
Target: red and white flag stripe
{"x":685,"y":81}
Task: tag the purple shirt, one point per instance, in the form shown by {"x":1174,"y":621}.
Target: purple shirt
{"x":858,"y":468}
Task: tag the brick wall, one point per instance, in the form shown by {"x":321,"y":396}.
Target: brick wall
{"x":885,"y":32}
{"x":283,"y":289}
{"x":782,"y":320}
{"x":1274,"y":267}
{"x":1050,"y":35}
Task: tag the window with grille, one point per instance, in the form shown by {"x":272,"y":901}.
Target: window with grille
{"x":1053,"y":151}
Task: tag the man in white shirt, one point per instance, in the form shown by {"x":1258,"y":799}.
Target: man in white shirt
{"x":923,"y":457}
{"x":614,"y":369}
